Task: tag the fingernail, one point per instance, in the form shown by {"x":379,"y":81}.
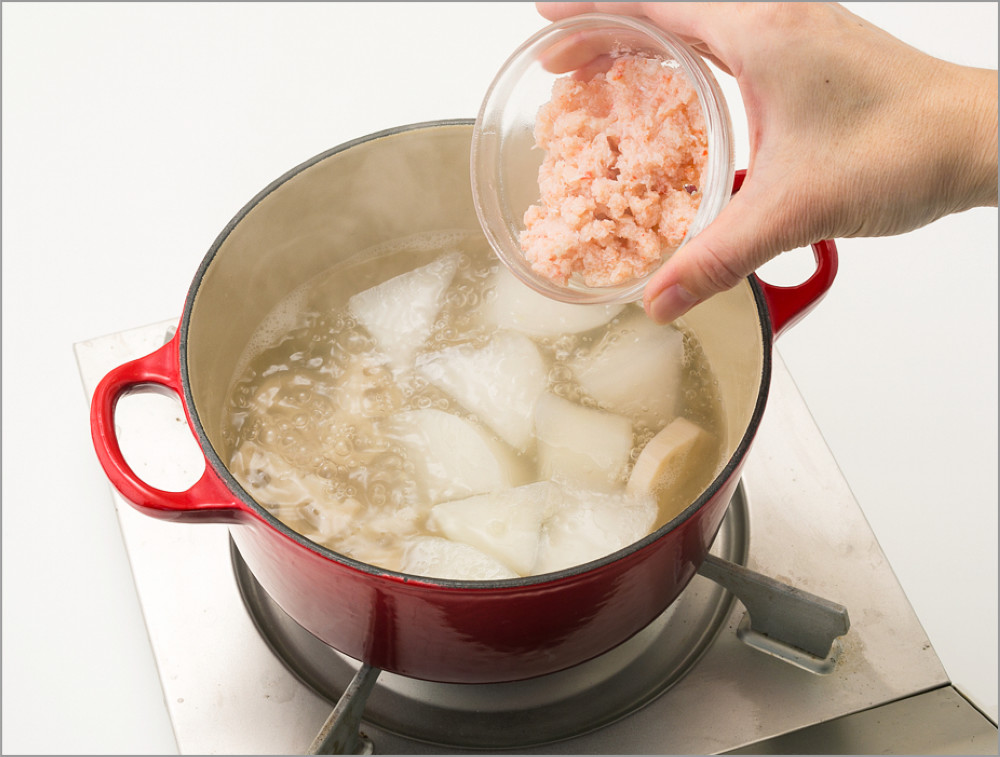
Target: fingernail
{"x":671,"y":303}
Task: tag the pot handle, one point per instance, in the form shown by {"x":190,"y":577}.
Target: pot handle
{"x":786,"y":306}
{"x":207,"y":500}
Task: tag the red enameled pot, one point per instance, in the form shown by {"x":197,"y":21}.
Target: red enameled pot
{"x":386,"y":186}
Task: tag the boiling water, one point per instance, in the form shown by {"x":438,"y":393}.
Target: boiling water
{"x":313,"y":417}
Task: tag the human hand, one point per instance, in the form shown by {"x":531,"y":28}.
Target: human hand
{"x":852,"y":133}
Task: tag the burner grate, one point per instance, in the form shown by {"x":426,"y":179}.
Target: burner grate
{"x":527,"y":713}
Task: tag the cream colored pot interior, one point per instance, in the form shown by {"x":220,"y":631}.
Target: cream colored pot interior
{"x":369,"y":193}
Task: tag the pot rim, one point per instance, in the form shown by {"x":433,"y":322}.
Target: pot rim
{"x":221,"y":470}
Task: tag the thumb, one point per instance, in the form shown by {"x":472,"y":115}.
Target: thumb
{"x":728,"y":250}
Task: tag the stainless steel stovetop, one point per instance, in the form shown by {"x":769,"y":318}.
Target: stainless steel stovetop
{"x":228,"y":693}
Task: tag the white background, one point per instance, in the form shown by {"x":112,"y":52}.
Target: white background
{"x":132,"y":133}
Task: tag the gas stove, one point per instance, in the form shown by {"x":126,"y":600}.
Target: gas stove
{"x":240,"y":677}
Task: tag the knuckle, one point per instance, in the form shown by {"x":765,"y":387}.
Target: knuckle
{"x":719,"y":271}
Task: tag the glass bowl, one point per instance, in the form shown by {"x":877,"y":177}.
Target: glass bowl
{"x":505,"y":159}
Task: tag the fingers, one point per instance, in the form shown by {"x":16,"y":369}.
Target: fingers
{"x":694,"y":23}
{"x":716,"y":260}
{"x":687,"y":20}
{"x":583,"y":52}
{"x":557,"y":11}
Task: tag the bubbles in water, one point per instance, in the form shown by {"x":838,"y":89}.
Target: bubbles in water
{"x":560,"y":373}
{"x":356,"y":342}
{"x":378,"y":494}
{"x":312,"y":390}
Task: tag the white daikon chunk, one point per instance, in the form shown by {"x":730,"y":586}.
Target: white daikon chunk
{"x":591,"y":525}
{"x":435,"y":557}
{"x":506,"y":525}
{"x":499,"y":382}
{"x":453,"y":457}
{"x":400,"y":313}
{"x":635,"y":370}
{"x":580,"y":444}
{"x":518,"y":307}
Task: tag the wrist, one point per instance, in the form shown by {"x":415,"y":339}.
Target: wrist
{"x":985,"y":136}
{"x":975,"y":134}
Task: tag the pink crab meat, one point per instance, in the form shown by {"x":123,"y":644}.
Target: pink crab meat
{"x":619,"y":184}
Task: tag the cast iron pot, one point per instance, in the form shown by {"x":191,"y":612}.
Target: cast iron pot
{"x":382,"y":187}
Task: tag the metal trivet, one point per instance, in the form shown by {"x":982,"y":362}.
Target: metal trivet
{"x":787,"y":623}
{"x":526,"y":713}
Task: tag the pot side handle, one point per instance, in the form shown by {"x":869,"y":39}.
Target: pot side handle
{"x":788,"y":305}
{"x":207,"y":500}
